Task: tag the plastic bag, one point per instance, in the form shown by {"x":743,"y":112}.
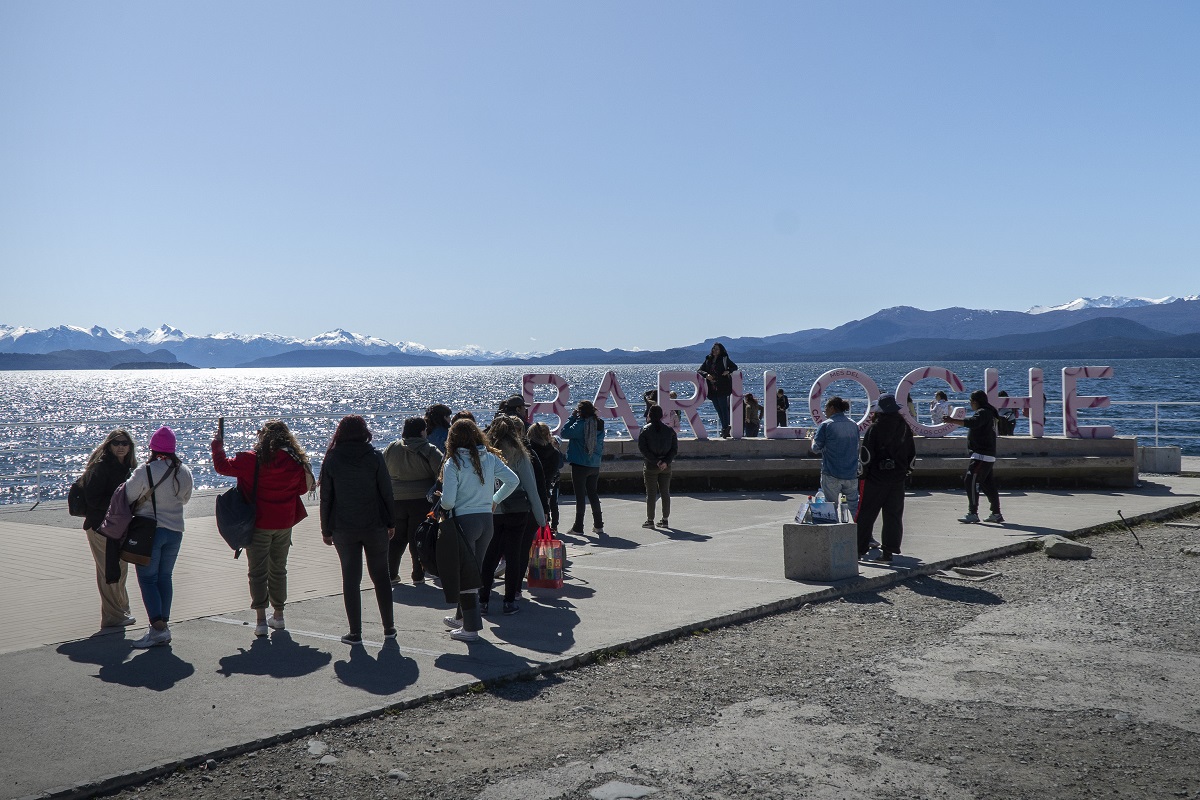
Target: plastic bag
{"x":546,"y":561}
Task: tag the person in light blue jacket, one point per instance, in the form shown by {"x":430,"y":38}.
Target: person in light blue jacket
{"x":837,"y":442}
{"x":584,"y":433}
{"x":469,"y":490}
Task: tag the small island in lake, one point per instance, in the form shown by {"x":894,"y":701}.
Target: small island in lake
{"x":153,"y":365}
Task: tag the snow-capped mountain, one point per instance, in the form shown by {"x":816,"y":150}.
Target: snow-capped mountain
{"x":1108,"y":301}
{"x":225,"y":349}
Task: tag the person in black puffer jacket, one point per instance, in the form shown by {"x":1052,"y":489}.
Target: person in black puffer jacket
{"x":981,"y":443}
{"x":887,"y":455}
{"x":659,"y":444}
{"x":356,"y":517}
{"x":109,"y":466}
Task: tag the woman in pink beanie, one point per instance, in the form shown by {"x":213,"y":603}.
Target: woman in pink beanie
{"x":160,"y":489}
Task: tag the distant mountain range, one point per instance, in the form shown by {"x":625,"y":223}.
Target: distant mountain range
{"x":1104,"y":327}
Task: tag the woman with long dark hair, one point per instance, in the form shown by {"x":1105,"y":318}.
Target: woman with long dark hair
{"x":717,"y":370}
{"x":517,"y":517}
{"x":413,"y":464}
{"x":584,"y":433}
{"x":284,"y":474}
{"x":469,"y":496}
{"x":159,"y":489}
{"x":887,"y":455}
{"x":356,"y":519}
{"x":545,"y":445}
{"x":107,"y":468}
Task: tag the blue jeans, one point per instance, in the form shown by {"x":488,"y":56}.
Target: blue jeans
{"x":721,"y":404}
{"x":154,"y":579}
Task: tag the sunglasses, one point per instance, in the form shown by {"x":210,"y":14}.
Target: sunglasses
{"x":122,"y":444}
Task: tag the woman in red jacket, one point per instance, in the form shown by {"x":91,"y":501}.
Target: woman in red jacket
{"x":284,"y":475}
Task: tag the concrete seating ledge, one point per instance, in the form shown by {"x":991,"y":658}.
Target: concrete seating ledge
{"x":787,"y":464}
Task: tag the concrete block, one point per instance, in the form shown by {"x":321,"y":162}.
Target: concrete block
{"x":1161,"y":460}
{"x":820,"y":552}
{"x":1062,"y":547}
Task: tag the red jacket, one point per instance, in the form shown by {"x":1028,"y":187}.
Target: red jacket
{"x":281,"y":485}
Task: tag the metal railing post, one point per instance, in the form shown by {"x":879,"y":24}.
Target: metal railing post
{"x":1156,"y":424}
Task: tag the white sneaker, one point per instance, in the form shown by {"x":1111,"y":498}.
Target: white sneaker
{"x":275,"y":623}
{"x":463,"y":635}
{"x":452,"y":622}
{"x":153,"y":638}
{"x":598,"y":530}
{"x":261,"y":629}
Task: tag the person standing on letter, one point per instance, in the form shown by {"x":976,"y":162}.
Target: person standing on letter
{"x":717,"y":370}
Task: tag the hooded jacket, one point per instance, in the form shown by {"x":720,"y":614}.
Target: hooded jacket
{"x":356,"y":491}
{"x":575,"y":432}
{"x":413,"y":465}
{"x":981,"y":431}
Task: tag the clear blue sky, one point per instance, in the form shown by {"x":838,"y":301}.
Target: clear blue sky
{"x":535,"y":175}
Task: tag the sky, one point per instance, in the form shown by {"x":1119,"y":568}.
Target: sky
{"x":541,"y":175}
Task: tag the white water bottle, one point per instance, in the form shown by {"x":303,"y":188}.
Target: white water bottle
{"x":819,"y":498}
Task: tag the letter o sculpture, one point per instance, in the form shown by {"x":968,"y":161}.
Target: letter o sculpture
{"x":905,"y":386}
{"x":841,"y":374}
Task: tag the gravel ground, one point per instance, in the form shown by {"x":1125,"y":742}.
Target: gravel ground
{"x":1065,"y":679}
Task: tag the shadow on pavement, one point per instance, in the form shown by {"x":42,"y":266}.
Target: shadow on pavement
{"x":953,"y":592}
{"x":157,"y":669}
{"x":277,"y":657}
{"x":103,"y":649}
{"x":387,"y":674}
{"x":546,"y":626}
{"x":481,"y":659}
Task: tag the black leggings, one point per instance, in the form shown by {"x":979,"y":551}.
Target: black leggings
{"x":350,"y":548}
{"x":512,"y":536}
{"x":979,"y":476}
{"x":586,"y":479}
{"x":409,"y":516}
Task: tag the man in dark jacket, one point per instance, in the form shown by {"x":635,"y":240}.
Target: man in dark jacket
{"x":659,"y":444}
{"x":887,"y":455}
{"x":981,"y":442}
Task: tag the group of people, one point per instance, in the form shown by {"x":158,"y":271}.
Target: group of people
{"x":870,"y":470}
{"x":491,"y":488}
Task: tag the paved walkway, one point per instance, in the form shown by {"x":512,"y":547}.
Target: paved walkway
{"x":107,"y":711}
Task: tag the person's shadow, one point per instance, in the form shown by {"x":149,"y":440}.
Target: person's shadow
{"x":103,"y":649}
{"x":279,"y":656}
{"x":156,"y":668}
{"x":482,"y":660}
{"x":387,"y":674}
{"x":548,"y":629}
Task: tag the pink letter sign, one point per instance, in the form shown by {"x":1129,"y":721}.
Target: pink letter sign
{"x":687,"y":405}
{"x":1034,"y":405}
{"x":737,"y":409}
{"x":610,"y":387}
{"x":1072,"y":402}
{"x":905,"y":387}
{"x":771,"y":429}
{"x":558,"y":406}
{"x":842,"y":374}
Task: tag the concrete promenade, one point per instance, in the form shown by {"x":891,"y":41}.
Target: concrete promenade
{"x":83,"y":711}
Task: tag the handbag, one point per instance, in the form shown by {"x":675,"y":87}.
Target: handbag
{"x":235,"y":515}
{"x":546,"y":561}
{"x":117,"y":518}
{"x":139,"y":537}
{"x":425,"y":541}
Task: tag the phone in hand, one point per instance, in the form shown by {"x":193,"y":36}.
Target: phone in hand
{"x":221,"y":428}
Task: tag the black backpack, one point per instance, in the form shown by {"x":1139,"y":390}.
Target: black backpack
{"x":76,"y":499}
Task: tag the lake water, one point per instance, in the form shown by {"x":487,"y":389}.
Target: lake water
{"x":52,"y":419}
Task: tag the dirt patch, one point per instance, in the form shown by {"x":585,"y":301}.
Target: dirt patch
{"x":1063,"y":679}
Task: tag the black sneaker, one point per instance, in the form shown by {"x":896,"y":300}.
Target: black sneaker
{"x":352,"y":638}
{"x":511,"y":608}
{"x":483,"y":607}
{"x":389,"y":633}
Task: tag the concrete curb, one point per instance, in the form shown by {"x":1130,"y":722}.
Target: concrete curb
{"x":113,"y":783}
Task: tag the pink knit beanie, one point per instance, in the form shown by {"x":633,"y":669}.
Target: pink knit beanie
{"x":163,"y":440}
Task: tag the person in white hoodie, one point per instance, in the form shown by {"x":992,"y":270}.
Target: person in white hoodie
{"x":159,"y":489}
{"x":468,"y":491}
